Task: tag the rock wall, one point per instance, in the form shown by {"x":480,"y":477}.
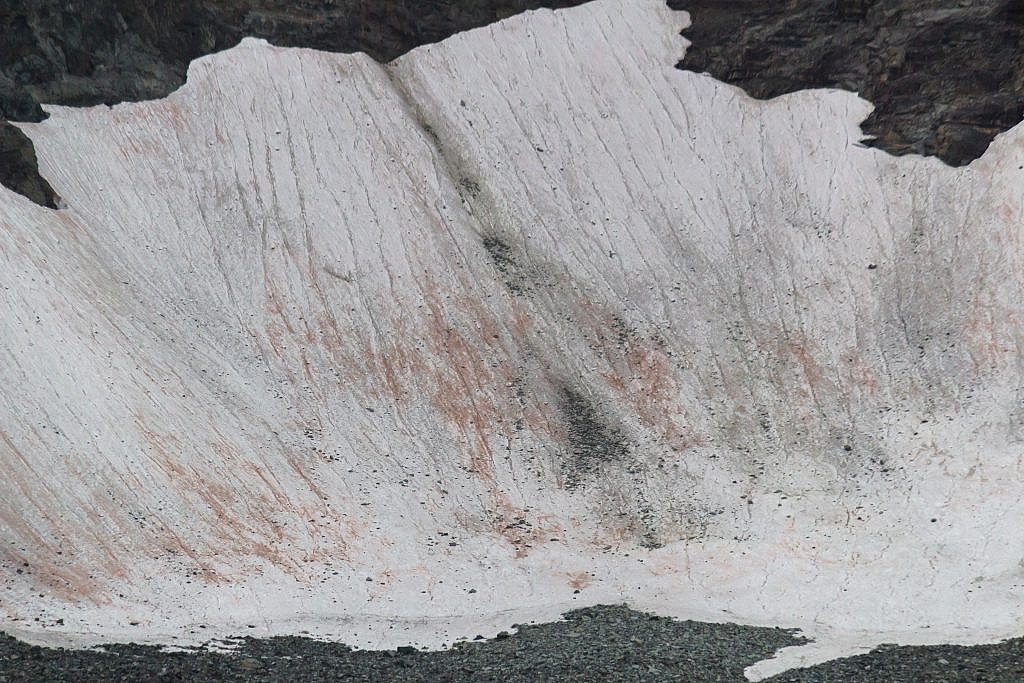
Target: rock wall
{"x":945,"y":76}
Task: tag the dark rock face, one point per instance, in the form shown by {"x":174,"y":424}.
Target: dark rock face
{"x":19,"y":170}
{"x":87,"y":52}
{"x":946,"y":76}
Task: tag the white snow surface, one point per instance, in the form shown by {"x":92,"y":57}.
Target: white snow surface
{"x":319,"y":345}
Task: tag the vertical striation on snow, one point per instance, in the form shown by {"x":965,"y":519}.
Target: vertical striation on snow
{"x":405,"y":352}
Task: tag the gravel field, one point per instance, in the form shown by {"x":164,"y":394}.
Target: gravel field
{"x":605,"y":643}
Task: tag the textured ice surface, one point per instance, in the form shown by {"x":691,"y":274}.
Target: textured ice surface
{"x":525,"y":320}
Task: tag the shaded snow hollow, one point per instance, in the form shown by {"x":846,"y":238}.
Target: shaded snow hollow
{"x":522,"y":321}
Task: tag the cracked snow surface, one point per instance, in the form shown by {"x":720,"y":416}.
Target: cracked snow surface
{"x":522,"y":321}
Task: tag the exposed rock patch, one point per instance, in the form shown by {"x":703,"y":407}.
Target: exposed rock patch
{"x":945,"y":77}
{"x":18,"y":167}
{"x":592,"y":440}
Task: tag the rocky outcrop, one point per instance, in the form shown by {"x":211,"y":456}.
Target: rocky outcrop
{"x":18,"y":167}
{"x":945,"y":76}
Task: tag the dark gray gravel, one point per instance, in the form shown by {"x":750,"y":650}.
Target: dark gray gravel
{"x":1000,"y":663}
{"x":607,"y":643}
{"x":594,"y":644}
